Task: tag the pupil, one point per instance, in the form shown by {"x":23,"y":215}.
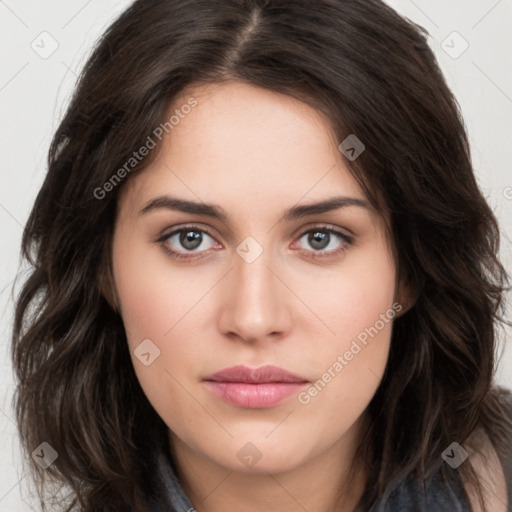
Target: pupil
{"x":318,"y":240}
{"x":190,"y":239}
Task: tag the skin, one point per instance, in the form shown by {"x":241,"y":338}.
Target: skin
{"x":255,"y":153}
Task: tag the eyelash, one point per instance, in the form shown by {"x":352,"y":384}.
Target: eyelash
{"x":348,"y":240}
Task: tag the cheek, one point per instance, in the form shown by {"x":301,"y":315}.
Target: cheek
{"x":359,"y":306}
{"x":156,"y":305}
{"x":353,"y":299}
{"x":153,"y":299}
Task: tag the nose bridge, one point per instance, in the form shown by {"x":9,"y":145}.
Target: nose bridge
{"x":255,"y":305}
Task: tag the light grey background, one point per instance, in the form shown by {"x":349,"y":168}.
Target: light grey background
{"x":35,"y":88}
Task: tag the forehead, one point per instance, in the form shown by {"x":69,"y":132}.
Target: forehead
{"x":245,"y":141}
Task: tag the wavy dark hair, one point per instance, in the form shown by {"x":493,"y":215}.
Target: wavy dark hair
{"x":372,"y":73}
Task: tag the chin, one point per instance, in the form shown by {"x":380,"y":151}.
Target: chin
{"x":258,"y":457}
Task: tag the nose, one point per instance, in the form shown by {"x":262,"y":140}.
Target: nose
{"x":254,"y":303}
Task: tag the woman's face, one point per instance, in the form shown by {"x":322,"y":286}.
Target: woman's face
{"x":250,"y":291}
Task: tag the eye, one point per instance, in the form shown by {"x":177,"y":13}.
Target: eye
{"x":325,"y":241}
{"x":192,"y":242}
{"x":189,"y":239}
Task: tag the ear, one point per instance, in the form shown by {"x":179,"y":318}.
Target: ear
{"x":106,"y":283}
{"x":406,"y":295}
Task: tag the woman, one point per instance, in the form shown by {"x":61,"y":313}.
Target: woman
{"x":264,"y":277}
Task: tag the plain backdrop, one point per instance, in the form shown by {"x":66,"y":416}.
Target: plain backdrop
{"x":45,"y":44}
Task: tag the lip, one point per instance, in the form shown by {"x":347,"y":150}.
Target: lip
{"x":263,"y":374}
{"x":256,"y":388}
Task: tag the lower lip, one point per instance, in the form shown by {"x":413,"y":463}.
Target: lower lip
{"x":254,"y":396}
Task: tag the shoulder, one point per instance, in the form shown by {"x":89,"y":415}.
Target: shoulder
{"x":491,"y":474}
{"x":431,"y":495}
{"x":493,"y":469}
{"x":445,"y":490}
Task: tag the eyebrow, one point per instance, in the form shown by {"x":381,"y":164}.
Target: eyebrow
{"x":216,"y":212}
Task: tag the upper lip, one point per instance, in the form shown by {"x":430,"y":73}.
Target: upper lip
{"x":259,"y":375}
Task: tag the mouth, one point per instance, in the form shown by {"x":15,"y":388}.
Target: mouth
{"x":257,"y":388}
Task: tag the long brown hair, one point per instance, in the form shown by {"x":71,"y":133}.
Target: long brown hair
{"x":372,"y":73}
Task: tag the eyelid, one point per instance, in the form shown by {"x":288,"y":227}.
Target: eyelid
{"x":179,"y":229}
{"x":345,"y":232}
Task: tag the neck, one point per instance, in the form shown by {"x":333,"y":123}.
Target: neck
{"x":331,"y":482}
